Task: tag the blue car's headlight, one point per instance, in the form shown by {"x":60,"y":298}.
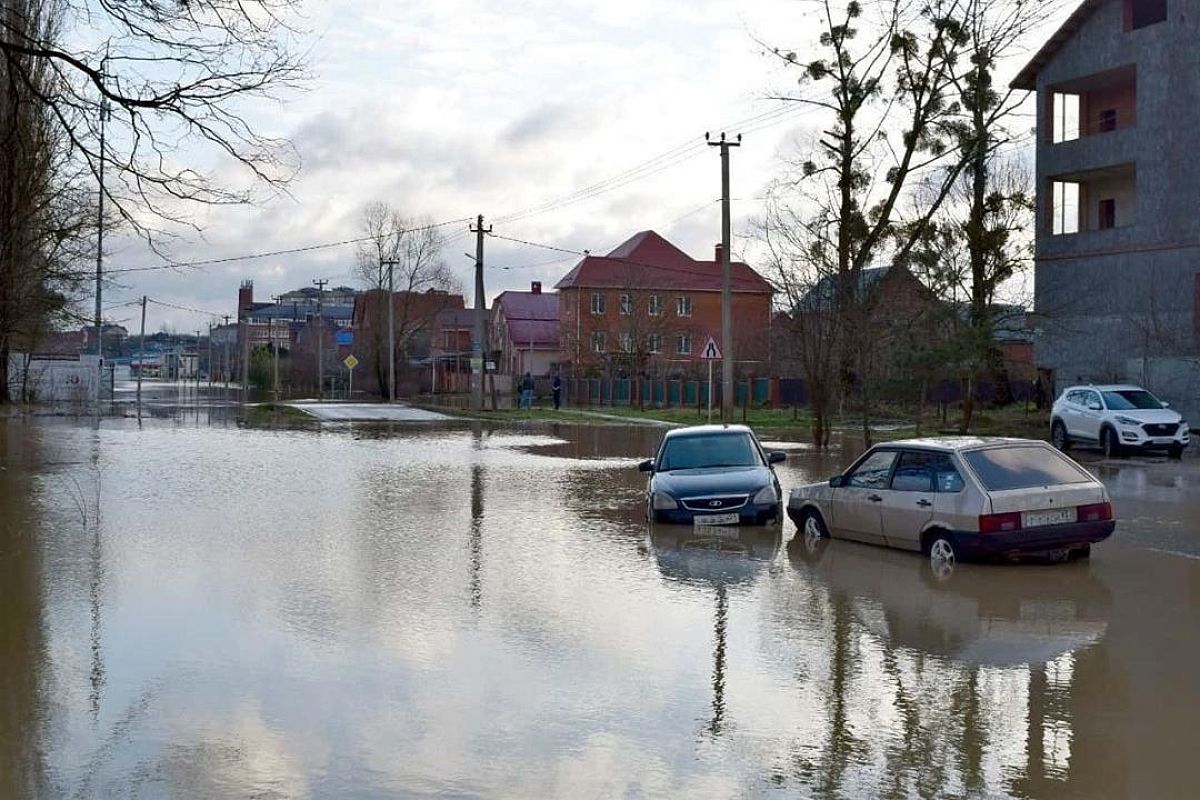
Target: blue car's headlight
{"x":767,"y":496}
{"x":664,"y":502}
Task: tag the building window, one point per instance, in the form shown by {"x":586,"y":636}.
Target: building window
{"x":626,"y":340}
{"x":1065,"y":118}
{"x":597,"y":303}
{"x":1107,"y":214}
{"x":683,"y":306}
{"x":654,"y":305}
{"x":683,"y":344}
{"x":598,"y":341}
{"x":1140,"y":13}
{"x":1065,"y":208}
{"x":1108,"y":120}
{"x":626,"y":305}
{"x":654,"y":343}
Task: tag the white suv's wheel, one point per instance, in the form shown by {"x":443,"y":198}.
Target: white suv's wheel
{"x":1110,"y":443}
{"x":1058,"y":436}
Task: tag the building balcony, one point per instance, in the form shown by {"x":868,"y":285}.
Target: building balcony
{"x":1092,"y":106}
{"x":1096,"y":201}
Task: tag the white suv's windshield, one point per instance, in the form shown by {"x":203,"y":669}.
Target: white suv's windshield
{"x":1131,"y":400}
{"x":703,"y":451}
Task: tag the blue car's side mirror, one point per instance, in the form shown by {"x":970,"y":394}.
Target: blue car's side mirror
{"x":646,"y":466}
{"x":776,"y":457}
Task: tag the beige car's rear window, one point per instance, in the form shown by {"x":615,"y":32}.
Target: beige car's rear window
{"x":1023,"y":467}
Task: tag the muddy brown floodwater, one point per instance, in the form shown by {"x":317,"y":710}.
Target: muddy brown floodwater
{"x":193,"y":609}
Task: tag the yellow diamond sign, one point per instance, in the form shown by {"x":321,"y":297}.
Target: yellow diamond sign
{"x":350,"y":361}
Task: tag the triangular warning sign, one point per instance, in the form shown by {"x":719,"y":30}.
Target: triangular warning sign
{"x":710,"y":352}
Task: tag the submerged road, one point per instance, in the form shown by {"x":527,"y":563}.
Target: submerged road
{"x":366,"y":412}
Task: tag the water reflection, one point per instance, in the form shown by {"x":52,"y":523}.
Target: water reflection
{"x":479,"y":611}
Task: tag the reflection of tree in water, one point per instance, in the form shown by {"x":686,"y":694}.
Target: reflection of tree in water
{"x":21,"y":632}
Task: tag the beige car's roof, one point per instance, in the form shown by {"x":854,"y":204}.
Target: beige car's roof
{"x":957,"y":442}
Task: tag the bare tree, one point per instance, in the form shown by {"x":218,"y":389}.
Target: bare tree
{"x":411,"y":248}
{"x":175,"y":75}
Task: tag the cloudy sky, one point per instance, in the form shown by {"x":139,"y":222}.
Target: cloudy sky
{"x":451,"y":108}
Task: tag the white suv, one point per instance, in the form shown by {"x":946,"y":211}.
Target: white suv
{"x":1116,"y":418}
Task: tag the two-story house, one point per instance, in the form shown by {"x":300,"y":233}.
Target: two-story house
{"x":1118,"y":191}
{"x":648,"y":308}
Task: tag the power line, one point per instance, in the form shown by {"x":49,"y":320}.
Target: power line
{"x":270,"y":254}
{"x":535,"y":244}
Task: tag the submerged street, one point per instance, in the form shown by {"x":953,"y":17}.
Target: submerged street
{"x":192,"y":608}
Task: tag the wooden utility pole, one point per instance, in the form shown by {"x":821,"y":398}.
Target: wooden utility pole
{"x":320,"y":284}
{"x":727,"y":390}
{"x":478,"y":347}
{"x":225,"y":360}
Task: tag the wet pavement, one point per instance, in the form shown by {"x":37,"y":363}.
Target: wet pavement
{"x":190,"y":607}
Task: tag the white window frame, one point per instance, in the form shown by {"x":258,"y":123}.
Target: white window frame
{"x":625,"y":342}
{"x":654,"y":343}
{"x":597,"y":341}
{"x":683,"y":306}
{"x":626,"y":304}
{"x":654,"y":305}
{"x":680,"y":341}
{"x":598,"y":303}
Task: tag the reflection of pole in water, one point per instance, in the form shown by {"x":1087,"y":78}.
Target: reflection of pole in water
{"x":96,"y":591}
{"x":717,"y":724}
{"x":475,"y":541}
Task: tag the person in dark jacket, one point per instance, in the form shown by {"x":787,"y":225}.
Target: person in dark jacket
{"x":527,"y":391}
{"x":556,"y":388}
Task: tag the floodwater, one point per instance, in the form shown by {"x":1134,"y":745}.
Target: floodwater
{"x":194,"y":609}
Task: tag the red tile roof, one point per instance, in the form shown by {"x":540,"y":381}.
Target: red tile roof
{"x":648,"y":261}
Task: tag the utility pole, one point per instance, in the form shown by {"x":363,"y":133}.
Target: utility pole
{"x":141,"y":356}
{"x":727,"y":390}
{"x":275,"y":350}
{"x":104,"y":114}
{"x":210,"y":362}
{"x":225,"y":359}
{"x":197,"y":366}
{"x":320,"y":284}
{"x":391,"y":323}
{"x":478,"y":351}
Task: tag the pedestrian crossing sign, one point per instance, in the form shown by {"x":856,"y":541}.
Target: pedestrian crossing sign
{"x":711,"y":352}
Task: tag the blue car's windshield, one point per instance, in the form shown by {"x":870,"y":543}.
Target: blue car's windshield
{"x":709,"y":450}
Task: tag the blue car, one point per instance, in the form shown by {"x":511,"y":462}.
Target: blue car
{"x":713,"y":475}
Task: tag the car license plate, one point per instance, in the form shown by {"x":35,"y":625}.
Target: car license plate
{"x":703,"y":520}
{"x":1057,"y":516}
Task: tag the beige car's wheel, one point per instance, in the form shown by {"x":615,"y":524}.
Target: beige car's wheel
{"x":813,"y":530}
{"x":942,"y":556}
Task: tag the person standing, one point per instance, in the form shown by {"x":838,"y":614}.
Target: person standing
{"x":556,"y":390}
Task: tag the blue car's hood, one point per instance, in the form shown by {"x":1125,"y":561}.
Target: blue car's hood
{"x":718,"y":480}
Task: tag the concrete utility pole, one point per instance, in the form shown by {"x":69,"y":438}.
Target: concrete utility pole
{"x":104,"y":115}
{"x":391,"y":318}
{"x":478,"y":349}
{"x":275,"y":349}
{"x":210,"y":362}
{"x":141,"y":355}
{"x":320,"y":284}
{"x":727,"y":390}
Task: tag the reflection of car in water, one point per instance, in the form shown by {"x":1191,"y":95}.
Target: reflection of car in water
{"x":712,"y":475}
{"x":974,"y":615}
{"x":960,"y":496}
{"x":713,"y":555}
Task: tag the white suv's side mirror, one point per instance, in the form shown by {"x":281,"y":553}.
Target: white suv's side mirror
{"x":1094,"y":407}
{"x":1165,"y":404}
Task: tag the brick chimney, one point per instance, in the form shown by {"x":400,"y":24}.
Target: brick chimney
{"x":245,"y":299}
{"x":717,"y":254}
{"x":536,"y":287}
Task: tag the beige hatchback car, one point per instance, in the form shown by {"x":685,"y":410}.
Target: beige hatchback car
{"x":960,"y":497}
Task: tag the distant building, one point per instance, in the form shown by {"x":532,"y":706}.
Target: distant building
{"x":450,"y":351}
{"x":1118,"y":187}
{"x":414,"y":315}
{"x":525,"y":332}
{"x":648,"y":307}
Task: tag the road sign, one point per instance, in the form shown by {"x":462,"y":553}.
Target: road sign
{"x":344,"y":337}
{"x":711,"y":352}
{"x":350,"y":361}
